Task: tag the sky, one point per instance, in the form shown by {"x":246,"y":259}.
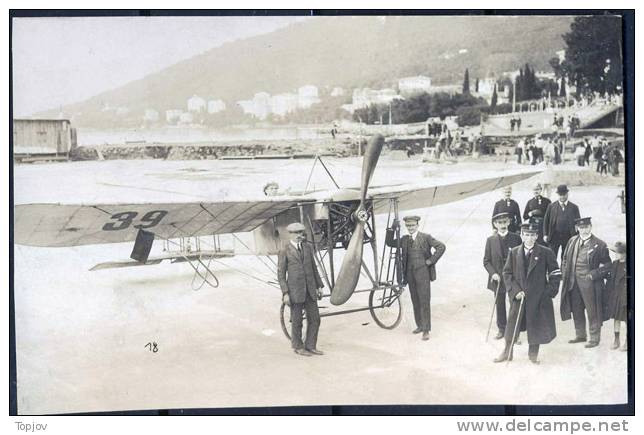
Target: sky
{"x":57,"y":61}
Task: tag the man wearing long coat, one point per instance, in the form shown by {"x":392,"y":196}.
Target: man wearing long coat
{"x":497,"y":248}
{"x":583,"y":283}
{"x":531,"y":274}
{"x":559,"y":221}
{"x":419,"y":254}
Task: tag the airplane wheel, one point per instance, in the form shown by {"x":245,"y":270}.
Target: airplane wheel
{"x":285,"y":320}
{"x":385,"y":307}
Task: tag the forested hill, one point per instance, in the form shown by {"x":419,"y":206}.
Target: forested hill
{"x":347,"y":52}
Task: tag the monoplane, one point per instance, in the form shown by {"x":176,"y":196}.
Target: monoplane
{"x":338,"y":219}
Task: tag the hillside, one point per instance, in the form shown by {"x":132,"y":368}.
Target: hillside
{"x":341,"y":51}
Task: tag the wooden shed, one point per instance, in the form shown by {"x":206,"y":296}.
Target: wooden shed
{"x":53,"y":138}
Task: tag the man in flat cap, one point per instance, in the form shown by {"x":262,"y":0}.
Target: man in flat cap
{"x":301,"y":288}
{"x":559,"y":221}
{"x":497,"y":248}
{"x":535,"y":210}
{"x":531,"y":276}
{"x":510,"y":206}
{"x":583,"y":283}
{"x":420,"y":252}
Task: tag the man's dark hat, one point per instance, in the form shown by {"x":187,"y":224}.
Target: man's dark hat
{"x":562,"y":189}
{"x":411,"y":218}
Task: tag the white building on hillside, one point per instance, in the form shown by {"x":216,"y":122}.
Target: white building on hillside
{"x":151,"y":115}
{"x":365,"y":97}
{"x":196,"y":104}
{"x":337,"y":92}
{"x":259,"y":106}
{"x":186,"y":118}
{"x":172,"y":115}
{"x":215,"y":106}
{"x":416,"y":84}
{"x":307,"y":96}
{"x":282,"y":104}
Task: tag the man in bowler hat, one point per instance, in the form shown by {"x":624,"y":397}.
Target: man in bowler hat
{"x":559,"y":221}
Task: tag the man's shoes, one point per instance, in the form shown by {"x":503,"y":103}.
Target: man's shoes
{"x":624,"y":347}
{"x":417,"y":331}
{"x":302,"y":352}
{"x":577,"y":340}
{"x":503,"y":357}
{"x":534,"y":360}
{"x":591,"y":344}
{"x":425,"y":336}
{"x":499,"y":335}
{"x":615,"y":344}
{"x":315,"y":351}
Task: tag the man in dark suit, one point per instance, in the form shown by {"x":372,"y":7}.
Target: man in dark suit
{"x":419,"y":254}
{"x":535,"y":210}
{"x":583,"y":283}
{"x":559,"y":221}
{"x":301,"y":287}
{"x":531,"y":274}
{"x":497,"y":248}
{"x":510,"y":206}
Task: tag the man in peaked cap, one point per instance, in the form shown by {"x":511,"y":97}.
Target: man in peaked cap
{"x":419,"y":255}
{"x":497,"y":248}
{"x":582,"y":292}
{"x":510,"y":206}
{"x":301,"y":288}
{"x":531,"y":275}
{"x":559,"y":221}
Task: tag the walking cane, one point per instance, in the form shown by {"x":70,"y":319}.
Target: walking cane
{"x":496,"y":294}
{"x":515,"y":331}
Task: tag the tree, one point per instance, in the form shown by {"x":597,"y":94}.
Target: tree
{"x":594,"y":51}
{"x":466,"y":82}
{"x":477,"y":85}
{"x":495,"y":98}
{"x":562,"y":88}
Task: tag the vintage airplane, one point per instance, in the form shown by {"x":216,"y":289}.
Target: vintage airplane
{"x":339,"y":218}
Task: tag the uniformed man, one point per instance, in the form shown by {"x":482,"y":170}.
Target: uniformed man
{"x":531,"y":275}
{"x":497,"y":248}
{"x":583,"y":283}
{"x":535,"y":210}
{"x":509,"y":205}
{"x":419,"y":253}
{"x":559,"y":221}
{"x":301,"y":288}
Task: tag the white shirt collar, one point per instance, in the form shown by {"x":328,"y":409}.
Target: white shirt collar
{"x":294,"y":243}
{"x":565,"y":204}
{"x":413,"y":236}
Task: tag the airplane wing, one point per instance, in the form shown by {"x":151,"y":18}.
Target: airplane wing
{"x":414,"y":196}
{"x":58,"y":225}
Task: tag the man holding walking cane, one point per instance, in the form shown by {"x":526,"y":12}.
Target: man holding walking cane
{"x":497,"y":248}
{"x":531,"y":275}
